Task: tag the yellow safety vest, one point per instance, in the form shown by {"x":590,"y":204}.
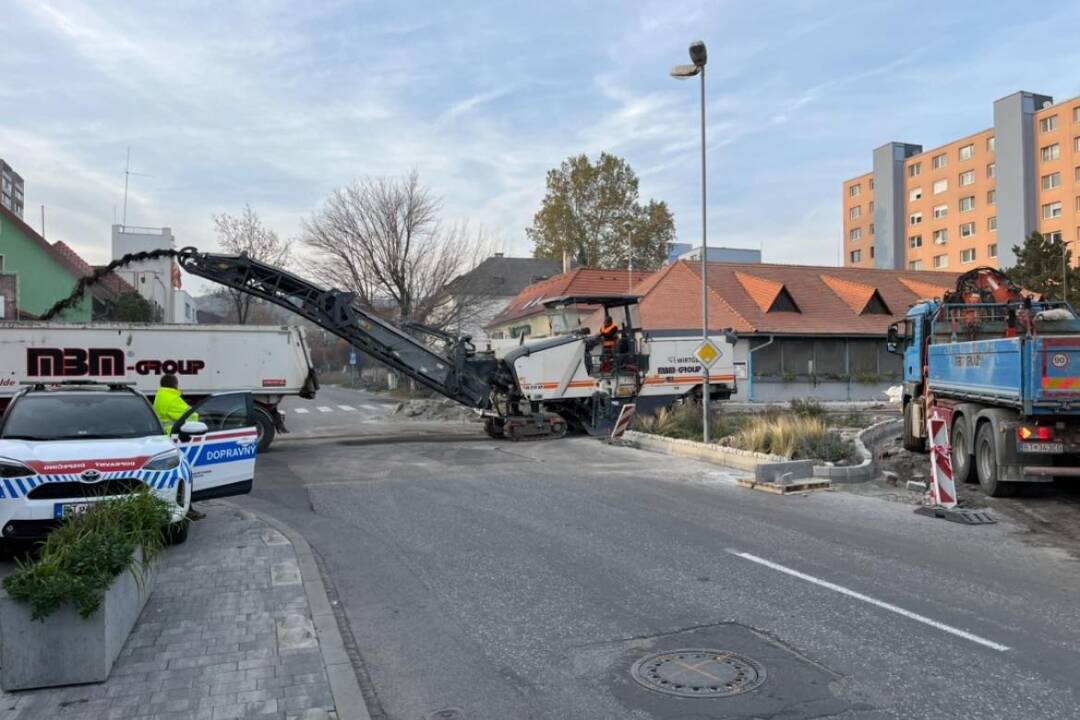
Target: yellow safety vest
{"x":170,"y":407}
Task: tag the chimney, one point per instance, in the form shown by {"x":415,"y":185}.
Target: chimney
{"x":566,"y":261}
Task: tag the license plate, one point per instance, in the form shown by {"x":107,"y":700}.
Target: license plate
{"x":66,"y":510}
{"x":1042,"y":447}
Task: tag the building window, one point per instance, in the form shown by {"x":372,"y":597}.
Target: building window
{"x":870,"y":209}
{"x":967,"y":229}
{"x":871,"y":183}
{"x":915,"y":265}
{"x":1053,"y":237}
{"x":967,"y":204}
{"x":967,"y":178}
{"x":1076,"y":144}
{"x":941,"y":261}
{"x":855,"y":235}
{"x":1077,"y":210}
{"x":1048,"y":124}
{"x":856,"y":255}
{"x":991,"y":250}
{"x":941,"y":211}
{"x":855,"y":190}
{"x":967,"y":152}
{"x":991,"y":197}
{"x":991,"y":170}
{"x":1076,"y":114}
{"x":991,"y":223}
{"x":915,"y":194}
{"x":915,"y":241}
{"x":914,"y":169}
{"x":1051,"y":210}
{"x":939,"y":161}
{"x":855,"y":212}
{"x":1051,"y":181}
{"x":967,"y":256}
{"x":1077,"y":173}
{"x":1051,"y":152}
{"x":871,"y":232}
{"x":940,"y":186}
{"x":941,"y":236}
{"x":915,"y":219}
{"x":991,"y":142}
{"x":871,"y":252}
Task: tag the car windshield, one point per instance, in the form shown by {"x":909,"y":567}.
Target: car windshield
{"x":73,"y":416}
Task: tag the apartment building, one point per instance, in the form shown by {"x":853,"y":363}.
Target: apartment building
{"x":11,"y":189}
{"x":946,"y":208}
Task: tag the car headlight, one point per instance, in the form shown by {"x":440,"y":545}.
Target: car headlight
{"x":13,"y":468}
{"x":164,"y":461}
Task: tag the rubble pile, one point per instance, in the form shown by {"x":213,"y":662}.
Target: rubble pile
{"x":444,"y":409}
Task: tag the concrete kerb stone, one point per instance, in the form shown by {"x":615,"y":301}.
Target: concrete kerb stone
{"x":766,"y":468}
{"x":348,"y":700}
{"x":867,"y":469}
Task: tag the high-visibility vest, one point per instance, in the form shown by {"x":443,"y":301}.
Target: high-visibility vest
{"x":170,"y":406}
{"x":608,"y":333}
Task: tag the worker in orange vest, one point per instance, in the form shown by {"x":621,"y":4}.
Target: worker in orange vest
{"x":609,"y":335}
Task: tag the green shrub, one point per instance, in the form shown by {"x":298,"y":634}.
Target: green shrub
{"x":807,"y":408}
{"x":81,"y":558}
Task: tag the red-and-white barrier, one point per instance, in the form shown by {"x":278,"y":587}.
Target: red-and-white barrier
{"x":623,"y":422}
{"x":942,"y":487}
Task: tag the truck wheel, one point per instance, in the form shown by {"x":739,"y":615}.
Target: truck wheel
{"x":264,"y":423}
{"x":962,"y":456}
{"x":987,"y":464}
{"x":912,"y":443}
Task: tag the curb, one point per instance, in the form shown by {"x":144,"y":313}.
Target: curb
{"x":867,"y":469}
{"x":348,"y":699}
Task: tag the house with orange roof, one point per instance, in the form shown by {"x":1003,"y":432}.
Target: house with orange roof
{"x":804,"y":331}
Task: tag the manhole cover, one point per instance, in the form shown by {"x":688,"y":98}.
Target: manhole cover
{"x":698,"y":673}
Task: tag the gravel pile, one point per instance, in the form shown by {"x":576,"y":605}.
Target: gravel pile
{"x":443,"y":410}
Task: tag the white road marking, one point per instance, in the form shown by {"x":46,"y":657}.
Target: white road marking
{"x":347,"y":408}
{"x":873,"y":601}
{"x":301,"y":411}
{"x":324,"y":408}
{"x":369,"y":406}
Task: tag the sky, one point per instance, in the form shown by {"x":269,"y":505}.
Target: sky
{"x":278,"y":103}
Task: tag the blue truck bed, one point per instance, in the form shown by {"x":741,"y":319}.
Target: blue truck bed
{"x":1038,"y":376}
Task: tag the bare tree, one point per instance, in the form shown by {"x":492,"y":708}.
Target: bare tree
{"x":245,"y":234}
{"x":382,"y":239}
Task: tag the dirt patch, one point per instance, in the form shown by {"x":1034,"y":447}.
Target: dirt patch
{"x":442,"y":409}
{"x":1050,"y":512}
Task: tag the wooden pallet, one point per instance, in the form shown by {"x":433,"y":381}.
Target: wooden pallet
{"x":795,"y":486}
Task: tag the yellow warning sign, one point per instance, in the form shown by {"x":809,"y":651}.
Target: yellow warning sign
{"x":707,"y":353}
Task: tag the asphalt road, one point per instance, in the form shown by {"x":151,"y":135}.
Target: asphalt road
{"x":334,"y":410}
{"x":498,"y":580}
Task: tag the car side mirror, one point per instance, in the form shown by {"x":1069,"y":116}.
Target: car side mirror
{"x":892,"y":340}
{"x":193,"y":427}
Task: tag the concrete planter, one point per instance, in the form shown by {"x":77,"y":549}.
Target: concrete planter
{"x":66,"y":649}
{"x":867,"y":468}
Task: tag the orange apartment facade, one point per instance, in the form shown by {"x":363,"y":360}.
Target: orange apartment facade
{"x":946,"y":208}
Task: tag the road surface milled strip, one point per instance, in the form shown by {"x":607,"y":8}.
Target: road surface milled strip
{"x":873,"y":601}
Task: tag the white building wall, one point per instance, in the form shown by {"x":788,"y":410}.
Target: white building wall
{"x":152,"y":278}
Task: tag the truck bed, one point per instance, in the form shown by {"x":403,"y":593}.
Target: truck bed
{"x":1039,"y":375}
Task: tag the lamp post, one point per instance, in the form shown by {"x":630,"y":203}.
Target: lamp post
{"x":698,"y":58}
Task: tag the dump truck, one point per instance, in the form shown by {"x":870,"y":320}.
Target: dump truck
{"x":1002,"y":367}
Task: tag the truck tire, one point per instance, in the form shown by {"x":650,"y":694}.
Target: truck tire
{"x":912,"y":443}
{"x":987,"y":464}
{"x":963,"y":456}
{"x":264,"y":423}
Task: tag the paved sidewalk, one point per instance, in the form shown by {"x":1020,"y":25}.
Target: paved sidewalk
{"x":227,"y":633}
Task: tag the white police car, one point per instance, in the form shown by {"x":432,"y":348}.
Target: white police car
{"x":65,"y":446}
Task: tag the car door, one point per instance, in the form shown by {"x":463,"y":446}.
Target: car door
{"x":223,"y":459}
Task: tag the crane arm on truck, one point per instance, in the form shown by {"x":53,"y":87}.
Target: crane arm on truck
{"x":460,"y":374}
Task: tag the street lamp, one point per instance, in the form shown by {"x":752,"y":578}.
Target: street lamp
{"x":698,"y":58}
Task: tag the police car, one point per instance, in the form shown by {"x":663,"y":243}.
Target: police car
{"x":65,"y":446}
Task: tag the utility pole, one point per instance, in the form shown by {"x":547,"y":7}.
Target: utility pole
{"x":127,"y":175}
{"x":42,"y":221}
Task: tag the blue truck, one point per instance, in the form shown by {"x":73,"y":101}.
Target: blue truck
{"x":1003,"y":368}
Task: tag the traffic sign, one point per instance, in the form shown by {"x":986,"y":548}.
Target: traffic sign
{"x":352,"y":357}
{"x":707,"y":353}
